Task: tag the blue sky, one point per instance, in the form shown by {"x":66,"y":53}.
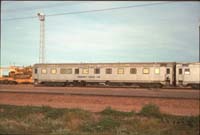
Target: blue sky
{"x":158,"y":33}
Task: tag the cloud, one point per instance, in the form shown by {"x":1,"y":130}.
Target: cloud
{"x":138,"y":34}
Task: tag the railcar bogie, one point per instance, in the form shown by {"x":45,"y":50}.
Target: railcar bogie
{"x":195,"y":85}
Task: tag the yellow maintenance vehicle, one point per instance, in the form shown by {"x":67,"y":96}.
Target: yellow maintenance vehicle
{"x":17,"y":75}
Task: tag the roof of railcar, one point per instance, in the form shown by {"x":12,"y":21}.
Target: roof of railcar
{"x":105,"y":63}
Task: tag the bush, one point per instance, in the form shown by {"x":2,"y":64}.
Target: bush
{"x":17,"y":112}
{"x":191,"y":121}
{"x":150,"y":110}
{"x":111,"y":112}
{"x":54,"y":113}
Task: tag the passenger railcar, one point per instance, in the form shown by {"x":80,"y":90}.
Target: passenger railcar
{"x":188,"y":74}
{"x":139,"y":74}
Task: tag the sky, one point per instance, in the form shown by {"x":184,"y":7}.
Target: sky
{"x":157,"y":33}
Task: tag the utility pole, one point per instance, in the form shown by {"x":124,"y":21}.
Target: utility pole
{"x":42,"y":38}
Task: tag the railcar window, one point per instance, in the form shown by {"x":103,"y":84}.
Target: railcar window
{"x":145,"y":70}
{"x":53,"y":71}
{"x":180,"y":71}
{"x":97,"y":71}
{"x":187,"y":71}
{"x":36,"y":71}
{"x":76,"y":71}
{"x":66,"y":71}
{"x":168,"y":71}
{"x":157,"y":70}
{"x":133,"y":70}
{"x":43,"y":71}
{"x":85,"y":71}
{"x":108,"y":71}
{"x":120,"y":71}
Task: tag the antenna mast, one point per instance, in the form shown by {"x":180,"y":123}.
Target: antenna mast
{"x":42,"y":38}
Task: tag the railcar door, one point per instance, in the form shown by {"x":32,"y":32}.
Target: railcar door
{"x":168,"y":77}
{"x":180,"y":76}
{"x":35,"y":75}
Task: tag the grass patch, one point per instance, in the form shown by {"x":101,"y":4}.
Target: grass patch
{"x":17,"y":112}
{"x":47,"y":120}
{"x":111,"y":112}
{"x":190,"y":121}
{"x":150,"y":110}
{"x":104,"y":124}
{"x":52,"y":113}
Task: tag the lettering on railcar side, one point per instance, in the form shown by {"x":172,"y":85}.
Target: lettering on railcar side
{"x":88,"y":77}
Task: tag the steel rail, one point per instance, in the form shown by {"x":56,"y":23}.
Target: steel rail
{"x":102,"y":95}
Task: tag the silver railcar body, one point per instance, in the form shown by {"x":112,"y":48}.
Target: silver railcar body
{"x":188,"y":74}
{"x":105,"y":72}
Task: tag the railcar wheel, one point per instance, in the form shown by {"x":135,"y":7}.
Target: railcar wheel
{"x":150,"y":85}
{"x":107,"y":83}
{"x":67,"y":83}
{"x":62,"y":84}
{"x":195,"y":86}
{"x":75,"y":83}
{"x":157,"y":85}
{"x":82,"y":83}
{"x":36,"y":83}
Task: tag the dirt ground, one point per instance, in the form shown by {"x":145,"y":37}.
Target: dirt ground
{"x":98,"y":103}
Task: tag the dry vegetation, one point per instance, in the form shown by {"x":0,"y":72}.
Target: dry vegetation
{"x":46,"y":120}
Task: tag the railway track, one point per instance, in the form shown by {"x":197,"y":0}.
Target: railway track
{"x":129,"y":93}
{"x":177,"y":88}
{"x":82,"y":94}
